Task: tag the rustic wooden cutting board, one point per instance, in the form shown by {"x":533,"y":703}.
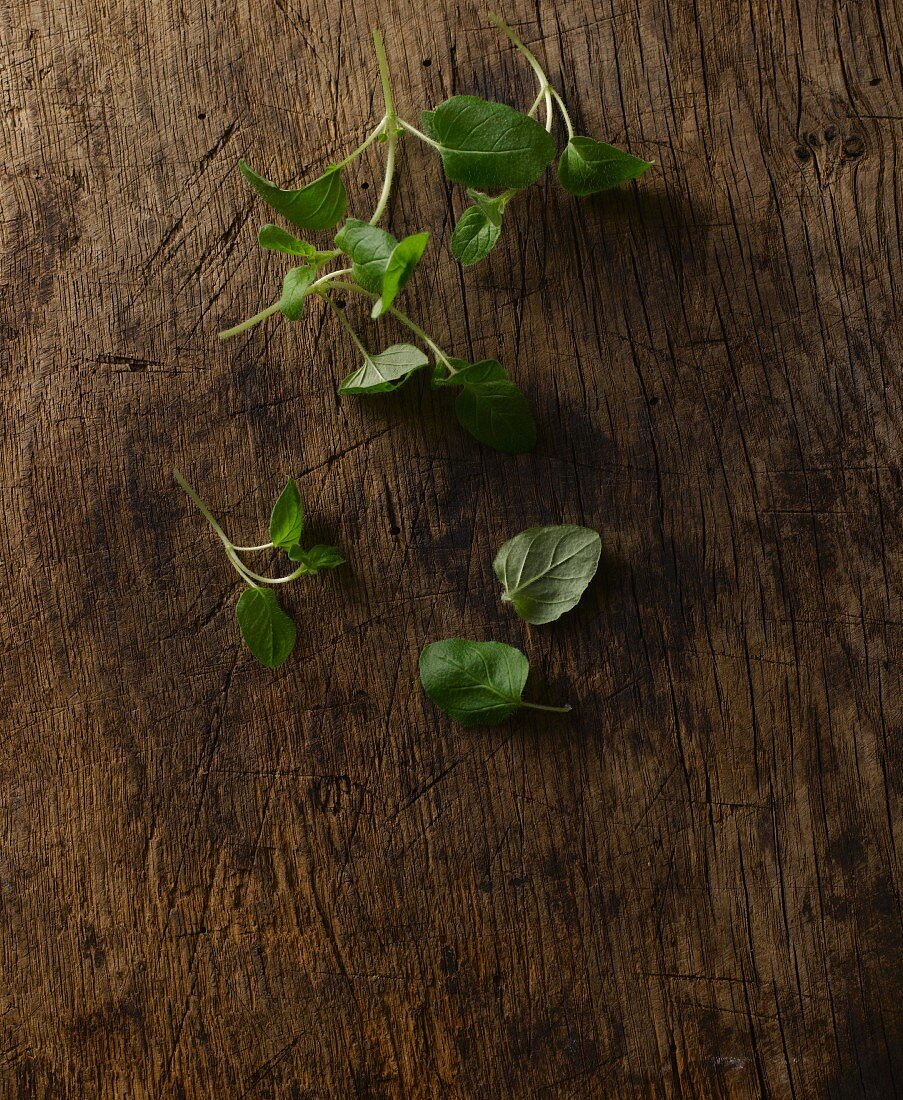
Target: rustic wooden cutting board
{"x":217,"y":880}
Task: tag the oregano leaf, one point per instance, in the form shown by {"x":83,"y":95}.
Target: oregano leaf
{"x":318,"y":205}
{"x":497,"y":414}
{"x":488,"y":146}
{"x":385,"y":372}
{"x":400,"y":267}
{"x":588,"y":166}
{"x":474,"y":237}
{"x":295,"y":284}
{"x":276,"y":239}
{"x":268,"y":632}
{"x":545,"y":570}
{"x":316,"y":558}
{"x":287,"y":517}
{"x":369,"y":248}
{"x":476,"y":682}
{"x":490,"y":406}
{"x":492,"y":206}
{"x":474,"y":374}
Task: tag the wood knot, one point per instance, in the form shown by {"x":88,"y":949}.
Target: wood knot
{"x":853,"y":147}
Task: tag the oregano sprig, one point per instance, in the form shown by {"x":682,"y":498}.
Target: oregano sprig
{"x":486,"y":147}
{"x":268,"y":631}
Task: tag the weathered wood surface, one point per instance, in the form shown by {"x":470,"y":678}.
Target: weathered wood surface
{"x":219,"y":881}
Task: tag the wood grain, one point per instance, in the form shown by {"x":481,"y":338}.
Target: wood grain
{"x":220,"y":881}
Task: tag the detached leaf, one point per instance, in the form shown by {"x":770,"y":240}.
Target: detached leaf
{"x":287,"y":517}
{"x":474,"y":237}
{"x":370,"y":249}
{"x":545,"y":570}
{"x":498,"y":415}
{"x":385,"y":372}
{"x":474,"y":682}
{"x":317,"y":558}
{"x":587,"y":166}
{"x":294,"y":290}
{"x":318,"y":205}
{"x":268,"y":632}
{"x":489,"y":146}
{"x":404,"y":258}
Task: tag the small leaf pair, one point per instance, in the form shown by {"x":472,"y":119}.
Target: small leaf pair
{"x":544,"y":572}
{"x":286,"y":525}
{"x":380,"y":263}
{"x":267,"y":630}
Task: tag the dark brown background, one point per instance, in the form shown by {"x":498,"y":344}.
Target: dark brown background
{"x":221,"y":881}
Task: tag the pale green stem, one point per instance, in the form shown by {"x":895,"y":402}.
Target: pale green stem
{"x":391,"y":143}
{"x":417,"y":133}
{"x":202,"y":508}
{"x":371,"y":137}
{"x":389,"y":125}
{"x":239,"y":566}
{"x":545,"y":88}
{"x":519,"y":45}
{"x":404,"y":319}
{"x":552,"y":710}
{"x":540,"y":96}
{"x":564,"y":112}
{"x":243,"y":326}
{"x":383,"y":74}
{"x":327,"y":278}
{"x":274,"y":580}
{"x":274,"y":308}
{"x":243,"y":571}
{"x":252,"y":549}
{"x":346,"y":325}
{"x":418,"y":331}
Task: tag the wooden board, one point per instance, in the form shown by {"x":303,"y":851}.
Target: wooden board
{"x":221,"y":881}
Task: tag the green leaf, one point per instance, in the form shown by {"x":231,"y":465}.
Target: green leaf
{"x":318,"y":205}
{"x":294,"y":290}
{"x":265,"y":627}
{"x":278,"y":240}
{"x":273,"y":237}
{"x":490,"y":406}
{"x":476,"y":682}
{"x":489,"y":146}
{"x":370,"y":249}
{"x":587,"y":166}
{"x":317,"y":558}
{"x":492,"y":206}
{"x":472,"y":374}
{"x":404,"y":258}
{"x":474,"y":237}
{"x":287,"y":517}
{"x":385,"y":372}
{"x":498,"y":415}
{"x":545,"y":570}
